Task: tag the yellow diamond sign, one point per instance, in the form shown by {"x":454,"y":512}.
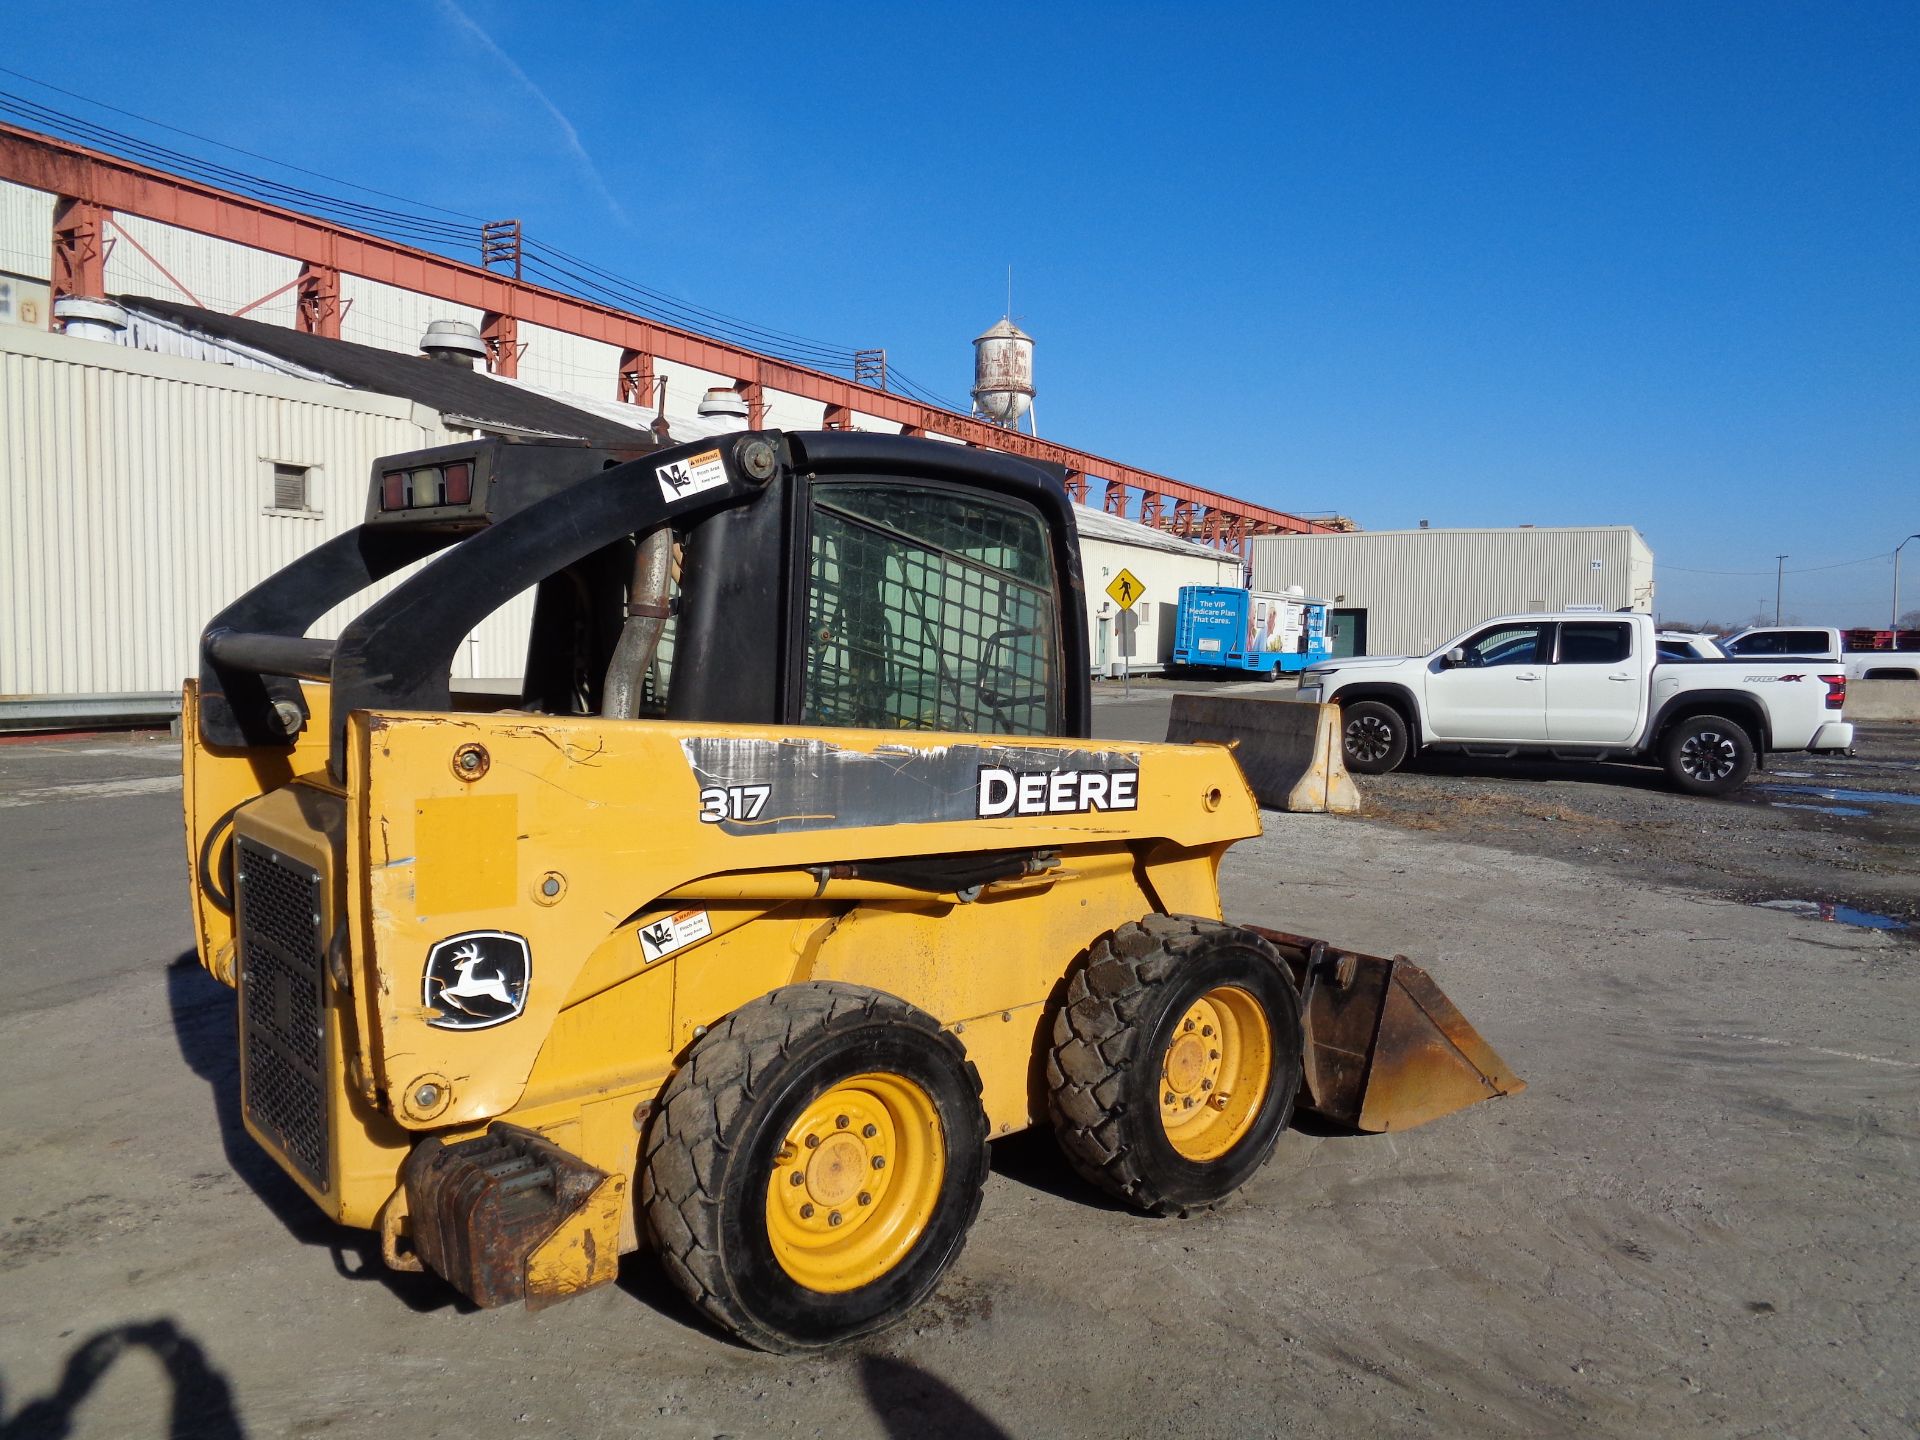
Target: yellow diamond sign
{"x":1126,"y":589}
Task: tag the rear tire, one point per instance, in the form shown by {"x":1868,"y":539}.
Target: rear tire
{"x":1175,"y":1062}
{"x":814,"y":1167}
{"x":1373,"y":737}
{"x":1707,"y":755}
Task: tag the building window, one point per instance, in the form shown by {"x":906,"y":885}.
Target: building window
{"x":291,"y":490}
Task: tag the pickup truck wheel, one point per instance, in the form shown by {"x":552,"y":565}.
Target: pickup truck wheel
{"x":1374,"y":737}
{"x":1707,"y":755}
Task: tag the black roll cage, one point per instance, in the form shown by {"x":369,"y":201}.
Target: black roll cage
{"x":552,"y":507}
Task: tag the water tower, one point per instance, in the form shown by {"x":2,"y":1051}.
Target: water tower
{"x":1003,"y":375}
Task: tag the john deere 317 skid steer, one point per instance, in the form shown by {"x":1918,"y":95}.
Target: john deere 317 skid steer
{"x":788,"y":880}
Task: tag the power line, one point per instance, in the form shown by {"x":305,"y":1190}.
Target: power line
{"x":562,"y":270}
{"x":1799,"y":570}
{"x":237,"y":150}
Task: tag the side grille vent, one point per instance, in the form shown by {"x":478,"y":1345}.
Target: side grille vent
{"x":283,"y":1014}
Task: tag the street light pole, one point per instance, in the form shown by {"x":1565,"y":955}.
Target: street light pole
{"x":1779,"y":573}
{"x":1894,"y":623}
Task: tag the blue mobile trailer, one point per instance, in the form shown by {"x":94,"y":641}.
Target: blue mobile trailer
{"x":1229,"y":628}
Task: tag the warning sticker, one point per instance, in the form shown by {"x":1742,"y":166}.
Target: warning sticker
{"x":660,"y":938}
{"x":681,"y":478}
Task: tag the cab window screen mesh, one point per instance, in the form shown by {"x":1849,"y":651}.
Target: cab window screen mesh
{"x":929,"y":611}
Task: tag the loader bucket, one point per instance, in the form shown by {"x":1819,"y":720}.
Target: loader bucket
{"x":1385,"y":1049}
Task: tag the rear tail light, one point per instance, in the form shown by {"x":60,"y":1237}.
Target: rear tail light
{"x":1836,"y":690}
{"x":427,"y":487}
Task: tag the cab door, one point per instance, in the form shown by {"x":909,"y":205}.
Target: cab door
{"x":1497,"y":691}
{"x":1595,"y":691}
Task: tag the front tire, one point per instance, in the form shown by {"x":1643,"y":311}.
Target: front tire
{"x":1373,"y":737}
{"x":1175,"y":1063}
{"x":814,"y":1167}
{"x":1707,"y":755}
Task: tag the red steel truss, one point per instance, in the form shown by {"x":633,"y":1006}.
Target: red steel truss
{"x":90,"y":184}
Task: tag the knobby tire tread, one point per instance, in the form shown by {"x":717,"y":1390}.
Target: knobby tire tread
{"x":1093,"y":1035}
{"x":698,"y":1103}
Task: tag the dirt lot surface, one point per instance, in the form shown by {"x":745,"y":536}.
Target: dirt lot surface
{"x":1828,"y":830}
{"x":1697,"y":1220}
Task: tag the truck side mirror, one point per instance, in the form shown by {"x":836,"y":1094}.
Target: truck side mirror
{"x":1457,"y":656}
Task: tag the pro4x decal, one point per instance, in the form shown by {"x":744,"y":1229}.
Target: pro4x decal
{"x":681,"y":478}
{"x":476,"y":979}
{"x":660,"y":938}
{"x":759,"y":787}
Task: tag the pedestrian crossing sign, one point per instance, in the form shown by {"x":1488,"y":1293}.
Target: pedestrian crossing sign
{"x":1126,"y":589}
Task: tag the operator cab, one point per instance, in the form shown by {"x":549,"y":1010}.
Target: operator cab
{"x":825,"y":579}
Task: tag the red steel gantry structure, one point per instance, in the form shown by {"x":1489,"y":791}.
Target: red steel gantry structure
{"x":89,"y":185}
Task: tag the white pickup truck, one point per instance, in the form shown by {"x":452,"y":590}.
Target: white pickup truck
{"x":1823,"y":642}
{"x":1589,"y":687}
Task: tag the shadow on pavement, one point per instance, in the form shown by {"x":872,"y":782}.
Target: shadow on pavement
{"x":913,"y":1405}
{"x":199,"y":1408}
{"x":1588,"y":772}
{"x":206,"y":1025}
{"x":1030,"y":1158}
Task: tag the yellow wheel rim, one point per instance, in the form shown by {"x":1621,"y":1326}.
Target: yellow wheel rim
{"x":855,"y":1182}
{"x":1215,"y":1072}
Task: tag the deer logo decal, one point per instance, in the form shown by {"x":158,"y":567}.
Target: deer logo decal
{"x":476,"y":979}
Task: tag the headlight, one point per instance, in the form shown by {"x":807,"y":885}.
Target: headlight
{"x":1310,"y":693}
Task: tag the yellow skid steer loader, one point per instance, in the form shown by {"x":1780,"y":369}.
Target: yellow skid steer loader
{"x":786,"y":879}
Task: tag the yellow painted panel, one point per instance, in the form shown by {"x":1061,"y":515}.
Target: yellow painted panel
{"x":1007,"y":1048}
{"x":465,"y":853}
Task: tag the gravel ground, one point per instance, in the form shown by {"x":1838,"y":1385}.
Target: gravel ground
{"x":1787,"y":835}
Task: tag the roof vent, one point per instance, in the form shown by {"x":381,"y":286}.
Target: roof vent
{"x":89,"y":319}
{"x":454,"y":342}
{"x":723,"y":403}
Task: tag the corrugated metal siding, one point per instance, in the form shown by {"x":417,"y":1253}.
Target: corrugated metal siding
{"x":391,"y":318}
{"x":1420,"y":587}
{"x":1162,"y":573}
{"x":219,"y":274}
{"x":572,"y":363}
{"x":133,"y":508}
{"x":26,"y":231}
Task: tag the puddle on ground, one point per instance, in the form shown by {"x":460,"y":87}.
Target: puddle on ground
{"x":1839,"y":914}
{"x":1845,"y":812}
{"x":1830,"y":792}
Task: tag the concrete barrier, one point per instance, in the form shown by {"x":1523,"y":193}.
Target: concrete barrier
{"x":1882,"y":700}
{"x":1288,"y":750}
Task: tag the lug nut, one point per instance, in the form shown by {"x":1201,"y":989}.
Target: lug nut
{"x":806,"y":1212}
{"x":1213,"y":1054}
{"x":797,"y":1179}
{"x":840,"y":1122}
{"x":1206,"y":1084}
{"x":813,"y":1142}
{"x":865,"y":1198}
{"x":879,"y":1162}
{"x":427,"y":1096}
{"x":1186,"y":1024}
{"x":1187,"y":1104}
{"x":869,"y":1131}
{"x":1169,"y":1097}
{"x":1206,"y":1029}
{"x":834,"y":1218}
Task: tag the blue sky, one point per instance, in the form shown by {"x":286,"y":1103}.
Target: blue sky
{"x":1480,"y":264}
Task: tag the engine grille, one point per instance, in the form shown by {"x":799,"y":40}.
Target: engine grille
{"x":283,"y":1011}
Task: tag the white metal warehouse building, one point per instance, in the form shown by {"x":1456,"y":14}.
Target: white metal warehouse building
{"x":141,"y":490}
{"x":1405,"y":592}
